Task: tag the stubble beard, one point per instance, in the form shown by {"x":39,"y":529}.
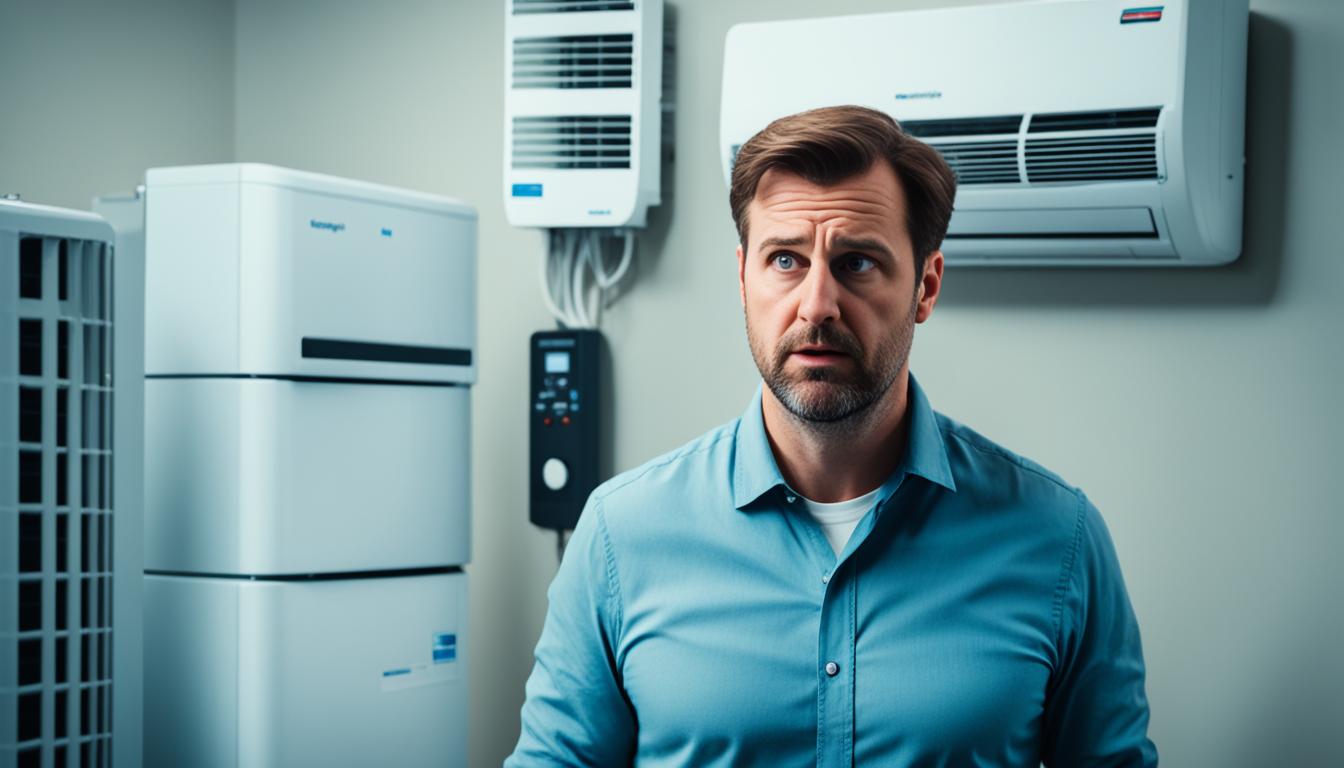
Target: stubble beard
{"x":829,"y":400}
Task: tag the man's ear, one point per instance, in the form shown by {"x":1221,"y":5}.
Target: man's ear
{"x":930,"y":286}
{"x":742,"y":275}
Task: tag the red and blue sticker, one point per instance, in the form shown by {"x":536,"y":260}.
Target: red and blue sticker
{"x":1141,"y":15}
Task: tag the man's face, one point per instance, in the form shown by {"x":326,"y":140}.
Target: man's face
{"x":829,"y":289}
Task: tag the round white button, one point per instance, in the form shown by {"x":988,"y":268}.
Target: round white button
{"x":832,"y":669}
{"x":554,"y":474}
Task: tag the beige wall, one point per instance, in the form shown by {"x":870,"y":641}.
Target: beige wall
{"x":1198,"y":408}
{"x":92,"y":93}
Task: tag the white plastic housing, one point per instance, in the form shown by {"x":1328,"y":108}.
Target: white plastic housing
{"x":245,"y":261}
{"x":263,"y":459}
{"x":583,"y":88}
{"x":331,"y":673}
{"x":1030,"y":60}
{"x":273,"y":477}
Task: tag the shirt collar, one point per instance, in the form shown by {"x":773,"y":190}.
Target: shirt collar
{"x":755,"y":472}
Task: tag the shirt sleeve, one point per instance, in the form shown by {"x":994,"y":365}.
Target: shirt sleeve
{"x":1097,"y":711}
{"x":576,"y":712}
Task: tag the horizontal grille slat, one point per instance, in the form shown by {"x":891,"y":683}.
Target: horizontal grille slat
{"x":1098,"y":158}
{"x":572,"y":142}
{"x":1095,"y":121}
{"x":574,"y":61}
{"x":963,"y":126}
{"x":985,"y":162}
{"x":570,"y":6}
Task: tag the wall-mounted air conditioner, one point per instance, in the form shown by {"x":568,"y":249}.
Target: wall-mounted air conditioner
{"x":1082,"y":132}
{"x":583,"y":115}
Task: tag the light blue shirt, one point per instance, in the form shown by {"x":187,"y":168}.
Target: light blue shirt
{"x":977,"y":617}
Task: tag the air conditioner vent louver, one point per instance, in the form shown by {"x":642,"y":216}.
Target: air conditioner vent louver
{"x":1092,"y":158}
{"x":963,"y":126}
{"x":986,"y":162}
{"x":574,"y":61}
{"x":1095,"y":121}
{"x":571,"y":141}
{"x":570,"y":6}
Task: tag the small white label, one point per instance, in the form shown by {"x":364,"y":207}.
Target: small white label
{"x":418,"y":675}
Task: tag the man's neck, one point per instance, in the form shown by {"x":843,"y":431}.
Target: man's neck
{"x":828,"y":464}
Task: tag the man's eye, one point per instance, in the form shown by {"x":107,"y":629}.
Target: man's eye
{"x":785,"y":262}
{"x":857,"y":264}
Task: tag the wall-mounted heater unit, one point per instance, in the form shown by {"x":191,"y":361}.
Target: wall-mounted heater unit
{"x":582,"y":112}
{"x":1082,"y":132}
{"x":70,"y":492}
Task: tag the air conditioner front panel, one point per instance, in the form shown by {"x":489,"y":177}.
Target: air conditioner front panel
{"x":1044,"y":105}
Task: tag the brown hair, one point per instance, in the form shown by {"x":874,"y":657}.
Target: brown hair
{"x":831,"y":144}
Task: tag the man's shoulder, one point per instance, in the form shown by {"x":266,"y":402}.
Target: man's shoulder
{"x":983,"y":466}
{"x":704,"y":461}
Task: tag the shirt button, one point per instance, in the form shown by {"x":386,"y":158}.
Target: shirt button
{"x":791,"y":498}
{"x":825,"y":578}
{"x":832,"y":669}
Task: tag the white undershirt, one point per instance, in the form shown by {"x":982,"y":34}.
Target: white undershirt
{"x":839,"y":519}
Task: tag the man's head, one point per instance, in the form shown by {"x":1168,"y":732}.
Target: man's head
{"x":839,"y":215}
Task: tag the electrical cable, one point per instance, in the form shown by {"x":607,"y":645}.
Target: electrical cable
{"x":547,"y":278}
{"x":572,"y":298}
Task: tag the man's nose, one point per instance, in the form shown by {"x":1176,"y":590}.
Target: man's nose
{"x":819,"y":302}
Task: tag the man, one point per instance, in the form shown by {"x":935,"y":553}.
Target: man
{"x":841,"y":576}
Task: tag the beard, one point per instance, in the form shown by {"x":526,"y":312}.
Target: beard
{"x":833,"y":396}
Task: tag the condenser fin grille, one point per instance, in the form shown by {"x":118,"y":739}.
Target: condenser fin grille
{"x":574,"y":61}
{"x":570,"y":6}
{"x":570,"y":142}
{"x":986,"y":162}
{"x":1095,"y":121}
{"x":963,"y":126}
{"x":1092,"y":158}
{"x":56,"y":516}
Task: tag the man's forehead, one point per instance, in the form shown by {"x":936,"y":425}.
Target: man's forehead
{"x":877,"y":184}
{"x":790,"y":210}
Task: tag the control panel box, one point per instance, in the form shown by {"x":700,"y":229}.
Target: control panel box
{"x":564,"y":425}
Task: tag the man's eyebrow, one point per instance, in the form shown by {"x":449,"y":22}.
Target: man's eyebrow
{"x":863,"y":244}
{"x":782,"y":241}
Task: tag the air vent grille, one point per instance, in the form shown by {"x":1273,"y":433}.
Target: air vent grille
{"x":574,"y":61}
{"x":1092,"y":158}
{"x":56,"y":517}
{"x":1095,"y":121}
{"x":986,"y":162}
{"x":570,"y":6}
{"x":567,"y":142}
{"x":963,"y":126}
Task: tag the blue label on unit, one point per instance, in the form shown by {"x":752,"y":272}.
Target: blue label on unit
{"x":396,"y":672}
{"x":527,"y":190}
{"x":386,"y":232}
{"x":445,"y":648}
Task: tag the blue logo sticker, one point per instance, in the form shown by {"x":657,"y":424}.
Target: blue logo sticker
{"x":445,"y":648}
{"x":386,"y":232}
{"x":527,"y":190}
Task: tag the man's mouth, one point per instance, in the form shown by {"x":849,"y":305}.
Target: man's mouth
{"x":818,"y":355}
